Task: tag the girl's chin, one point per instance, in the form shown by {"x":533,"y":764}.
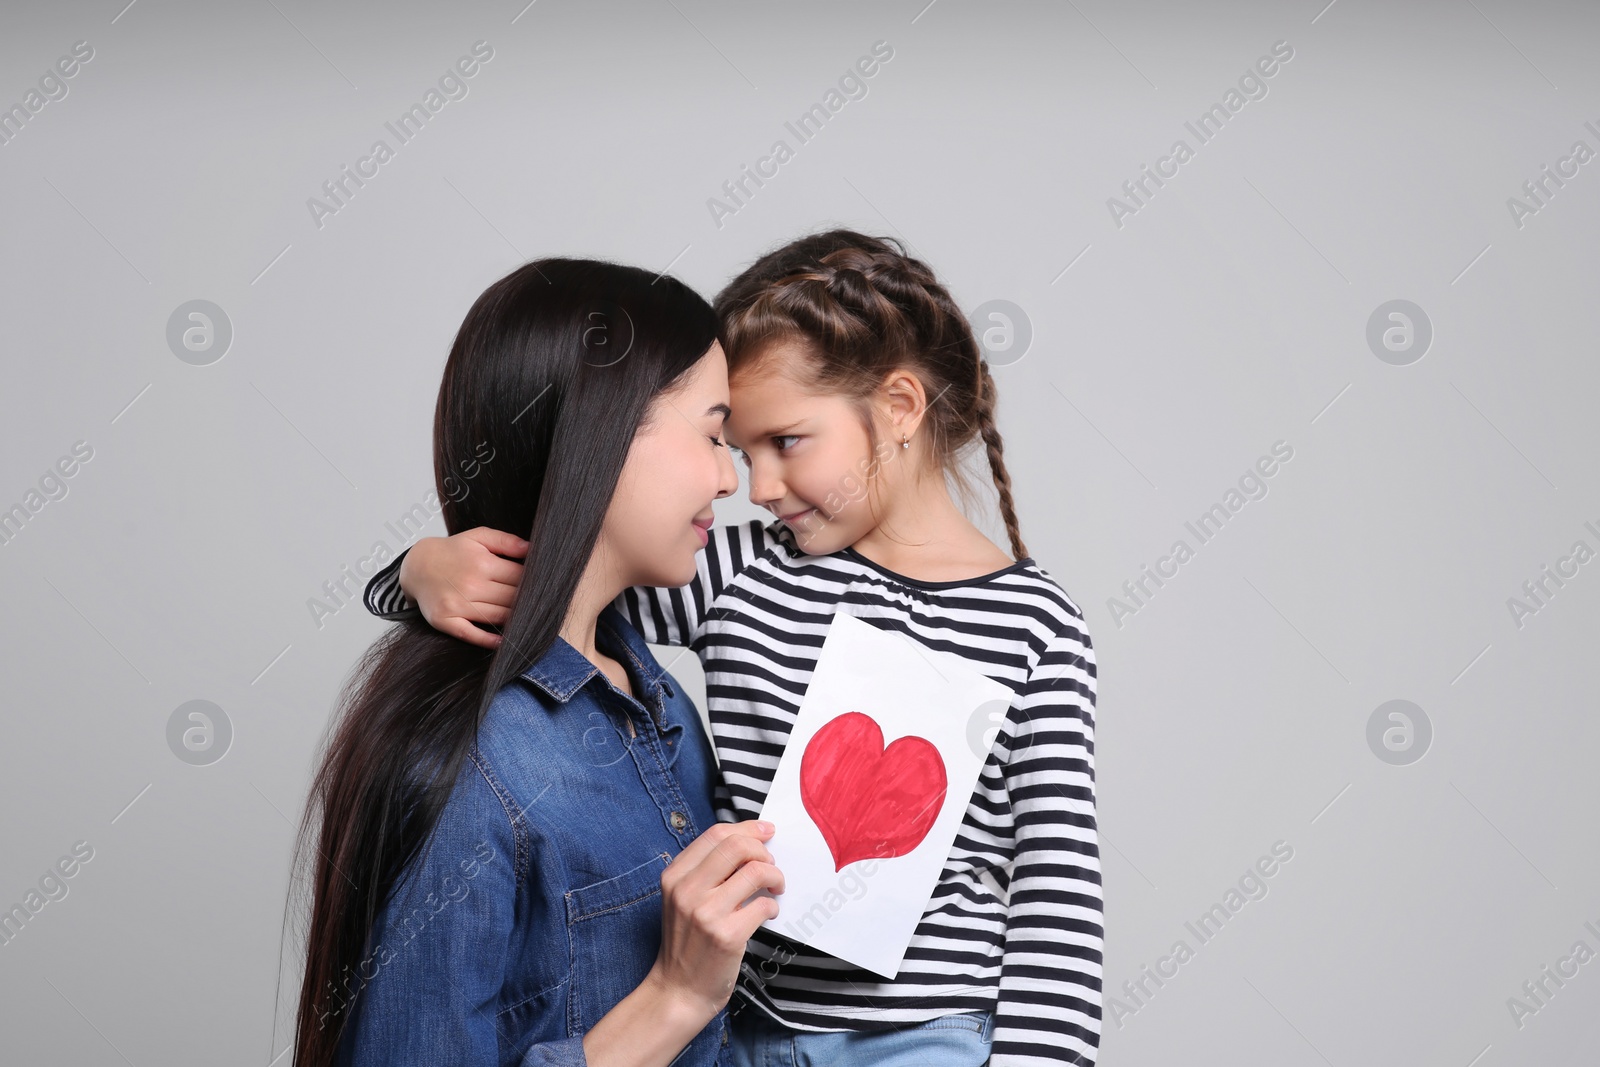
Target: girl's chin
{"x":817,"y":540}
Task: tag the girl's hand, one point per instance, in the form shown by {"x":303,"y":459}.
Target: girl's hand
{"x":703,"y":926}
{"x":460,"y":580}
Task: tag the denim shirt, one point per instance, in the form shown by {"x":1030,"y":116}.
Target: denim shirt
{"x":536,"y":906}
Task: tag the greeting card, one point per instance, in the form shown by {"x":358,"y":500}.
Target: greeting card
{"x":872,"y":788}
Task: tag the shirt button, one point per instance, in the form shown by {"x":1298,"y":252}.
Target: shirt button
{"x":678,"y":820}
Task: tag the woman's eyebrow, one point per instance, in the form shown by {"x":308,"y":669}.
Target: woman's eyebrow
{"x":719,"y":409}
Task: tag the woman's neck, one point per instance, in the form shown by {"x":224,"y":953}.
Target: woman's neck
{"x":597,"y":588}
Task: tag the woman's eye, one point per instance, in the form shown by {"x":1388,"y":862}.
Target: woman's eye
{"x":716,"y":441}
{"x":778,"y":441}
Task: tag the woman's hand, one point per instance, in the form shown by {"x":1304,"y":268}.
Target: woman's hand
{"x":460,"y":580}
{"x":703,"y":932}
{"x":703,"y":925}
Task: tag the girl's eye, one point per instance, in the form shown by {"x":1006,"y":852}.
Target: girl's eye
{"x":737,"y":451}
{"x":784,"y":437}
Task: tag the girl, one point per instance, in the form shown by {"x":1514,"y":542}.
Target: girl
{"x":856,"y":385}
{"x":496,"y":881}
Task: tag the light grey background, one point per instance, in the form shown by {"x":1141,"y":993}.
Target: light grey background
{"x":1228,"y":313}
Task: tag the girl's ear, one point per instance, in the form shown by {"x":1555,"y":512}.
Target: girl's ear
{"x":903,"y":401}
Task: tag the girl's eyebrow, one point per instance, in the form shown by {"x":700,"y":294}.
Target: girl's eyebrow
{"x":781,"y":430}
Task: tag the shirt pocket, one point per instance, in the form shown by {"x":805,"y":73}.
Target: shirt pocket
{"x":613,"y":936}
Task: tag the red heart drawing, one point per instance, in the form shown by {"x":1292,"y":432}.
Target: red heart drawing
{"x":870,"y":801}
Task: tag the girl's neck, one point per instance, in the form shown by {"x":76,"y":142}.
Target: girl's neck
{"x":924,"y":535}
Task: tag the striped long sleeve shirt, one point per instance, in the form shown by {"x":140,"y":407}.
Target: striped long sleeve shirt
{"x":1014,"y":925}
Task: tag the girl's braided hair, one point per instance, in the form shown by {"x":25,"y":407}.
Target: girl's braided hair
{"x":860,"y":307}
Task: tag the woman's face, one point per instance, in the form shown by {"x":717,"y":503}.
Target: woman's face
{"x":678,"y":464}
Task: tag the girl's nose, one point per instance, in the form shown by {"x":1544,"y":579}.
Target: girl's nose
{"x":727,"y":475}
{"x":766,"y":491}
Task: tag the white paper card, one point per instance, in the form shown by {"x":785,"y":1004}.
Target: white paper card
{"x":865,"y":820}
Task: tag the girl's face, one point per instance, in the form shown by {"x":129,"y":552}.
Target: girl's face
{"x":810,"y":460}
{"x":678,"y":464}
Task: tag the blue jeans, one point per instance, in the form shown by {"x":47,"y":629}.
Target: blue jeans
{"x":960,"y":1040}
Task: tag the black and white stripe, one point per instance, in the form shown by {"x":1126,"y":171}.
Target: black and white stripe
{"x":1017,"y":911}
{"x":384,"y":597}
{"x":1014,"y":924}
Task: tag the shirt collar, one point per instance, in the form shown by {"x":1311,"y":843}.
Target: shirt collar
{"x":563,"y":670}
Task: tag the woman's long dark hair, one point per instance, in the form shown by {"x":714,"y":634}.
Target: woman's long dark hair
{"x":550,"y":376}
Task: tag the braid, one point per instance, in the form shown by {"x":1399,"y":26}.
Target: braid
{"x":997,"y":466}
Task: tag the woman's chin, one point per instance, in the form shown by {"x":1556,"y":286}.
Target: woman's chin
{"x":684,"y":570}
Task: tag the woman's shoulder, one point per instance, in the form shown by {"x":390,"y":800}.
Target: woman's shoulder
{"x":519,"y":712}
{"x":479,"y":804}
{"x":547,"y":707}
{"x":518,"y":721}
{"x":510,"y":761}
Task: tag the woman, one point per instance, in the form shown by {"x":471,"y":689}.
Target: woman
{"x":517,"y":860}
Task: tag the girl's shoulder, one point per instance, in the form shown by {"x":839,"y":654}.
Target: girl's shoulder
{"x":1021,"y":598}
{"x":752,"y":538}
{"x":1042,"y":585}
{"x":1058,"y":623}
{"x":732,"y":547}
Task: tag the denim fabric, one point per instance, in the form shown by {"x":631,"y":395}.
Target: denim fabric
{"x":959,"y":1040}
{"x":537,"y":906}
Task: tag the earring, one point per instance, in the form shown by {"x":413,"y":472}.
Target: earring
{"x":905,"y":442}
